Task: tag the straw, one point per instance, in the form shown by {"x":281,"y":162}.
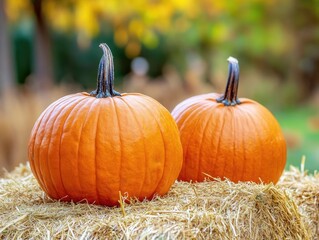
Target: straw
{"x":208,"y":210}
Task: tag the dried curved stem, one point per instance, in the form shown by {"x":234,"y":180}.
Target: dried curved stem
{"x":105,"y":76}
{"x":230,"y":96}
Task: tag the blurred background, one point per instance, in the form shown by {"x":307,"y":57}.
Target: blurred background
{"x":167,"y":49}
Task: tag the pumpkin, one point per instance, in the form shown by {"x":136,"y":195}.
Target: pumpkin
{"x":224,"y":136}
{"x":97,"y":147}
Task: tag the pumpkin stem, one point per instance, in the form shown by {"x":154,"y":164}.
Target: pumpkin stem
{"x":230,"y":96}
{"x":105,"y":76}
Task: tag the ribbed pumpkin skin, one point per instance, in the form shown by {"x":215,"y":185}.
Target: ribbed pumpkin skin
{"x":83,"y":147}
{"x":241,"y":143}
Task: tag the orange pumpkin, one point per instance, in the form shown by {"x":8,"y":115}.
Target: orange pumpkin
{"x":93,"y":146}
{"x":227,"y":137}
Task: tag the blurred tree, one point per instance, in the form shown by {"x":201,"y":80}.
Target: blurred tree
{"x":43,"y":64}
{"x":265,"y":33}
{"x":306,"y":32}
{"x":20,"y":10}
{"x":6,"y":67}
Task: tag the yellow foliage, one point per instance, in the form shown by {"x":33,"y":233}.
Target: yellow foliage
{"x":17,"y":9}
{"x":121,"y":36}
{"x":134,"y":22}
{"x":132,"y":49}
{"x":136,"y":28}
{"x":59,"y":16}
{"x":149,"y":39}
{"x":182,"y":24}
{"x":85,"y":19}
{"x":219,"y":33}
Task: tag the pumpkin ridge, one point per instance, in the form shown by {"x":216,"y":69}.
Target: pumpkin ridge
{"x":225,"y":162}
{"x":168,"y":119}
{"x":90,"y":105}
{"x":216,"y":125}
{"x":80,"y":134}
{"x":46,"y":118}
{"x":51,"y":183}
{"x":197,"y":112}
{"x":34,"y":135}
{"x":234,"y":145}
{"x":120,"y":143}
{"x":141,"y":132}
{"x":263,"y":128}
{"x":277,"y":168}
{"x":249,"y":126}
{"x":243,"y":142}
{"x":60,"y":144}
{"x":164,"y":144}
{"x":191,"y":102}
{"x":260,"y":144}
{"x":190,"y":110}
{"x":36,"y":126}
{"x":201,"y":143}
{"x":219,"y":140}
{"x":98,"y":196}
{"x":48,"y":151}
{"x":166,"y":175}
{"x":33,"y":166}
{"x":192,"y":113}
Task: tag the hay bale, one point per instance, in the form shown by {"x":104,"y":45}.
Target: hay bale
{"x":208,"y":210}
{"x":304,"y":190}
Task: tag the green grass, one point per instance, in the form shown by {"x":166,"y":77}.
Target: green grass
{"x":303,"y":139}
